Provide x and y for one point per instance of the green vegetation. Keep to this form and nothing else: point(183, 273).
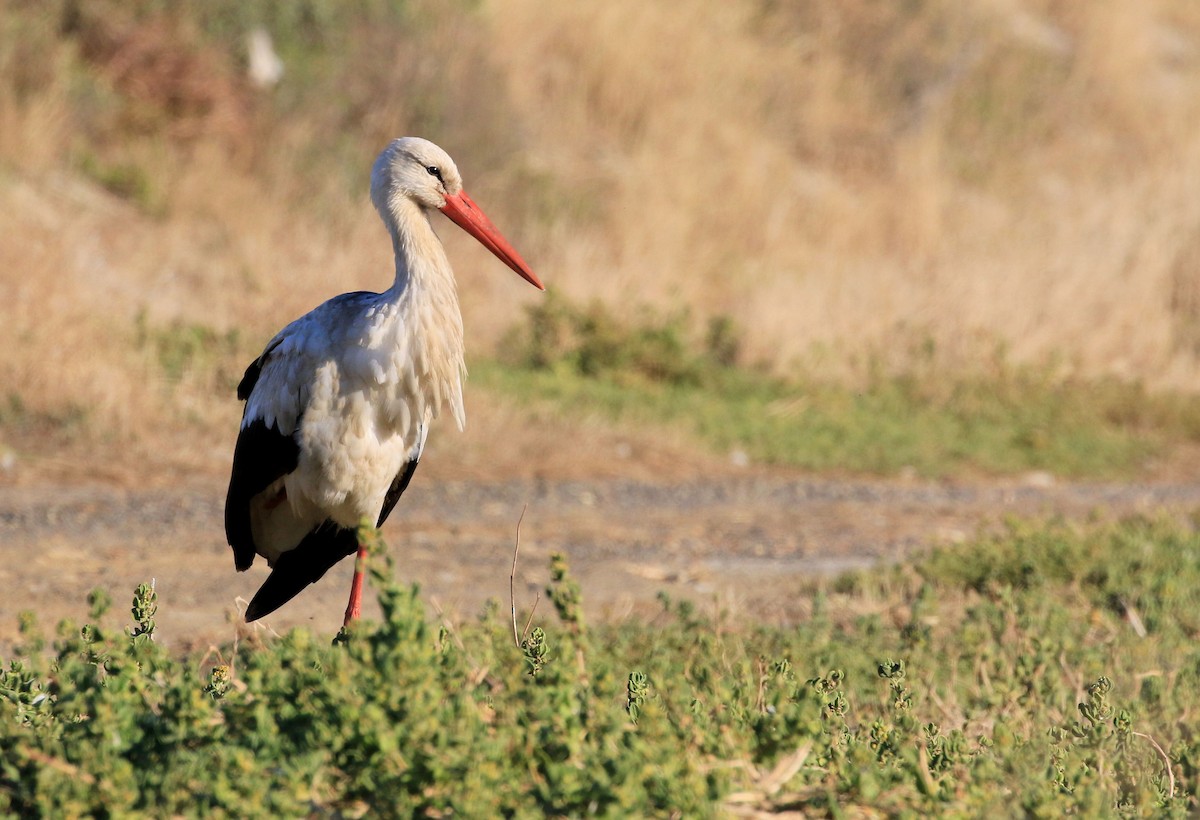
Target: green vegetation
point(1048, 670)
point(14, 414)
point(124, 179)
point(181, 348)
point(994, 416)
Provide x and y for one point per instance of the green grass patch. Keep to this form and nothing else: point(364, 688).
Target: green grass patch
point(992, 417)
point(17, 418)
point(126, 180)
point(181, 348)
point(1007, 672)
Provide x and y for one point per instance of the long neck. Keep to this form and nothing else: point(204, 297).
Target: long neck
point(418, 252)
point(426, 297)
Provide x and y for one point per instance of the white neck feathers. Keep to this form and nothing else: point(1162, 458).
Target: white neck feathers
point(429, 345)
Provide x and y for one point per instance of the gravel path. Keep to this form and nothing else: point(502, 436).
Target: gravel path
point(746, 543)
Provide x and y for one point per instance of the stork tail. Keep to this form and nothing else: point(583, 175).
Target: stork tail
point(299, 567)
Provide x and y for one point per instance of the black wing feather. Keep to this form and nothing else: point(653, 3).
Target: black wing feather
point(299, 567)
point(261, 456)
point(250, 377)
point(399, 485)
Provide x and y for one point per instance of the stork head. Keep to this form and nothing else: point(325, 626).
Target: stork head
point(415, 169)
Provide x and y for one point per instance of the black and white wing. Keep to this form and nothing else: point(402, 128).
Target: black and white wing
point(263, 455)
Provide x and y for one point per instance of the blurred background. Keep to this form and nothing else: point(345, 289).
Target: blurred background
point(930, 235)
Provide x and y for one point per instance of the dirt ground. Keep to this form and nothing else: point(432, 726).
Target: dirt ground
point(745, 542)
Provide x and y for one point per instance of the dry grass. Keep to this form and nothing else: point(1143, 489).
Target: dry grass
point(834, 175)
point(983, 168)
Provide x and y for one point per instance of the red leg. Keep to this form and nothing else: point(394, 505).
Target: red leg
point(354, 607)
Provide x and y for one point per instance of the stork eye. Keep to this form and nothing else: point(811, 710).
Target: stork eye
point(435, 171)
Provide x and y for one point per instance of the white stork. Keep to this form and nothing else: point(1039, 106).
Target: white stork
point(339, 403)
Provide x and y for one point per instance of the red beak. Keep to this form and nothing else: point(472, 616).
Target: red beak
point(463, 211)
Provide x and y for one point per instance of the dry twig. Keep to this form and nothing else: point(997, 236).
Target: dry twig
point(1166, 762)
point(512, 596)
point(785, 769)
point(1134, 619)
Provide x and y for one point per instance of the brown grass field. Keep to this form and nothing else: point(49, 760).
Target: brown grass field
point(841, 178)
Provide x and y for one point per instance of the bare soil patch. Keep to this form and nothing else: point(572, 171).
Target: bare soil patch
point(746, 544)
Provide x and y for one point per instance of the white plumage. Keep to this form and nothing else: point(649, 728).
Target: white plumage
point(339, 404)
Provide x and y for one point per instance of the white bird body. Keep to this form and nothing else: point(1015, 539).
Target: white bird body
point(339, 404)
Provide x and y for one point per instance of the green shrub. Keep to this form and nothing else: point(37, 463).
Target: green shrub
point(1013, 686)
point(181, 348)
point(591, 342)
point(910, 410)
